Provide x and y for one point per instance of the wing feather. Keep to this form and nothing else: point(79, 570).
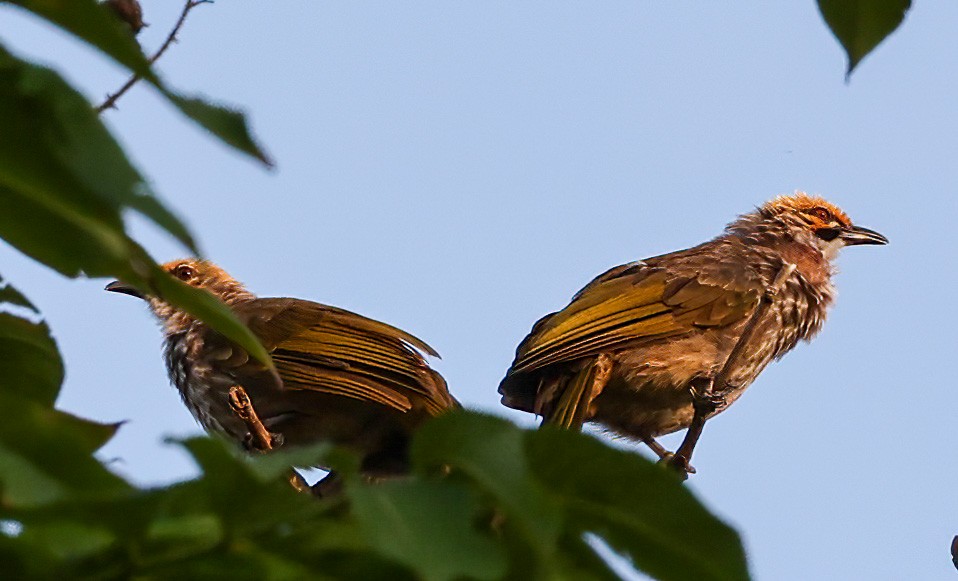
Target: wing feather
point(628, 305)
point(320, 348)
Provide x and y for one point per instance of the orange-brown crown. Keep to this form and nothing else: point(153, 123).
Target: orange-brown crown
point(197, 273)
point(206, 275)
point(817, 212)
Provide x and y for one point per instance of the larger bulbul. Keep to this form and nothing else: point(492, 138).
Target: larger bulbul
point(639, 348)
point(344, 378)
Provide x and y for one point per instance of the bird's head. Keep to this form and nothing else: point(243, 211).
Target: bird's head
point(194, 272)
point(814, 221)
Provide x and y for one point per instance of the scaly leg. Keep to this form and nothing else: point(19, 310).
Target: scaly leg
point(258, 438)
point(664, 455)
point(709, 394)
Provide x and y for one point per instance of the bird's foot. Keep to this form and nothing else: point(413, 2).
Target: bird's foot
point(708, 403)
point(679, 464)
point(705, 398)
point(253, 443)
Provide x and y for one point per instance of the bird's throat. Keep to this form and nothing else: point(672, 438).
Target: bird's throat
point(809, 261)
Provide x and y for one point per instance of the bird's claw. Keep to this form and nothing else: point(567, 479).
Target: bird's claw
point(679, 464)
point(253, 444)
point(708, 403)
point(706, 400)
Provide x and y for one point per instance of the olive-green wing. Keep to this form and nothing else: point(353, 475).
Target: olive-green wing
point(320, 348)
point(629, 304)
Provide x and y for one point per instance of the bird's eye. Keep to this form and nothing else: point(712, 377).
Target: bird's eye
point(822, 214)
point(184, 272)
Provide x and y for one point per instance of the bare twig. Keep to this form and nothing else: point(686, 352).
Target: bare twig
point(111, 100)
point(717, 385)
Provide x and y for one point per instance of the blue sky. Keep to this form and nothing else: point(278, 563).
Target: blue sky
point(460, 169)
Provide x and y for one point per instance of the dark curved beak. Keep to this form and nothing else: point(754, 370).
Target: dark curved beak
point(121, 287)
point(858, 235)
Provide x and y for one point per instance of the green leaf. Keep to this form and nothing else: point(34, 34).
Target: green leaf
point(68, 540)
point(637, 507)
point(64, 182)
point(92, 23)
point(46, 455)
point(239, 496)
point(277, 463)
point(580, 561)
point(30, 366)
point(67, 241)
point(428, 526)
point(860, 25)
point(490, 451)
point(74, 245)
point(228, 125)
point(57, 151)
point(178, 536)
point(12, 296)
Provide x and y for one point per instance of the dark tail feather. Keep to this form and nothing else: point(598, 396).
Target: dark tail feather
point(570, 412)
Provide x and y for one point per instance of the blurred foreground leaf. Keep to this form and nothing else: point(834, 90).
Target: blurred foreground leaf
point(64, 183)
point(92, 23)
point(458, 520)
point(45, 455)
point(57, 152)
point(30, 364)
point(430, 527)
point(860, 25)
point(637, 507)
point(489, 452)
point(553, 486)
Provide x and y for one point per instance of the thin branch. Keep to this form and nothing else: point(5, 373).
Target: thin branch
point(111, 100)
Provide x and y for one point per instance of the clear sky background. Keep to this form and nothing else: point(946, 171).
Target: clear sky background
point(459, 169)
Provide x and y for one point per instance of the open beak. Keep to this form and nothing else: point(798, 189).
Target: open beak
point(121, 287)
point(858, 235)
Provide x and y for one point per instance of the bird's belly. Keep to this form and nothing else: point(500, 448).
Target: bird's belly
point(649, 392)
point(643, 410)
point(208, 401)
point(298, 417)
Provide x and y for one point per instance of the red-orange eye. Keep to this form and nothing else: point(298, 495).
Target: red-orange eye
point(184, 272)
point(822, 214)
